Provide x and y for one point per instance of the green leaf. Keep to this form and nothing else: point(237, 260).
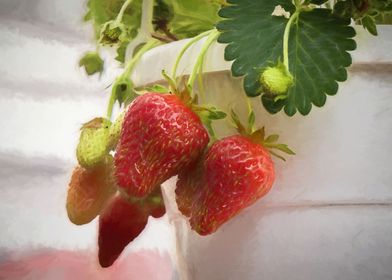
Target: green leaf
point(370, 25)
point(318, 46)
point(92, 63)
point(191, 18)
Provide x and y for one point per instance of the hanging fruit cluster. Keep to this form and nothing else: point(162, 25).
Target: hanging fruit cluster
point(166, 131)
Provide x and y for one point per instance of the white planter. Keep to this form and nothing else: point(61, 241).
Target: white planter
point(329, 213)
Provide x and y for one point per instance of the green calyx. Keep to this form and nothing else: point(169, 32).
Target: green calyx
point(93, 142)
point(152, 199)
point(114, 32)
point(276, 80)
point(115, 131)
point(123, 90)
point(258, 136)
point(92, 63)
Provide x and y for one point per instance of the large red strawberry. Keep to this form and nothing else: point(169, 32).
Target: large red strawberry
point(122, 221)
point(160, 136)
point(232, 174)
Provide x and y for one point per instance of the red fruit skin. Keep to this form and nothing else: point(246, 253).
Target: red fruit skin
point(159, 137)
point(122, 221)
point(235, 172)
point(187, 187)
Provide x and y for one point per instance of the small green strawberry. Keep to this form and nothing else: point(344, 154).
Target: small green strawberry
point(276, 80)
point(93, 142)
point(115, 130)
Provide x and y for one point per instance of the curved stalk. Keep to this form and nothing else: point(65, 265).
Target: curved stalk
point(211, 38)
point(127, 72)
point(122, 10)
point(286, 39)
point(185, 48)
point(132, 63)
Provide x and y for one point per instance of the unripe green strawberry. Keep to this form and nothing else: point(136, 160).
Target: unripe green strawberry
point(276, 80)
point(115, 130)
point(93, 142)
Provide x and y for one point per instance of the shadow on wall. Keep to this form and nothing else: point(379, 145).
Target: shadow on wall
point(54, 264)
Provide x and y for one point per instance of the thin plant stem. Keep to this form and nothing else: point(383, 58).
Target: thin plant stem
point(122, 10)
point(128, 71)
point(211, 38)
point(185, 48)
point(286, 39)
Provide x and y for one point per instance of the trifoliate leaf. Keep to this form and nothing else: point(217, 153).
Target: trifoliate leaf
point(318, 46)
point(92, 63)
point(191, 18)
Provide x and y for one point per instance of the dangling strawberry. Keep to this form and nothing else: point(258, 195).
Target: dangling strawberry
point(234, 172)
point(122, 221)
point(160, 135)
point(89, 190)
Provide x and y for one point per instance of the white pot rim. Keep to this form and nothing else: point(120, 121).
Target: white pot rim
point(370, 50)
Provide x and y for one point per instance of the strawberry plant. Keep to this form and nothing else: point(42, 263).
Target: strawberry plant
point(291, 54)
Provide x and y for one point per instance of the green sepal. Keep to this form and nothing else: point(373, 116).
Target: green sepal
point(114, 32)
point(157, 88)
point(208, 113)
point(92, 63)
point(370, 25)
point(123, 90)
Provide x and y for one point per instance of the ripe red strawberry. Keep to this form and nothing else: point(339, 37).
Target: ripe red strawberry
point(232, 175)
point(89, 190)
point(160, 136)
point(122, 221)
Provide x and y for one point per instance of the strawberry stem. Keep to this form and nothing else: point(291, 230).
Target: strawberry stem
point(211, 38)
point(185, 48)
point(122, 10)
point(127, 72)
point(201, 84)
